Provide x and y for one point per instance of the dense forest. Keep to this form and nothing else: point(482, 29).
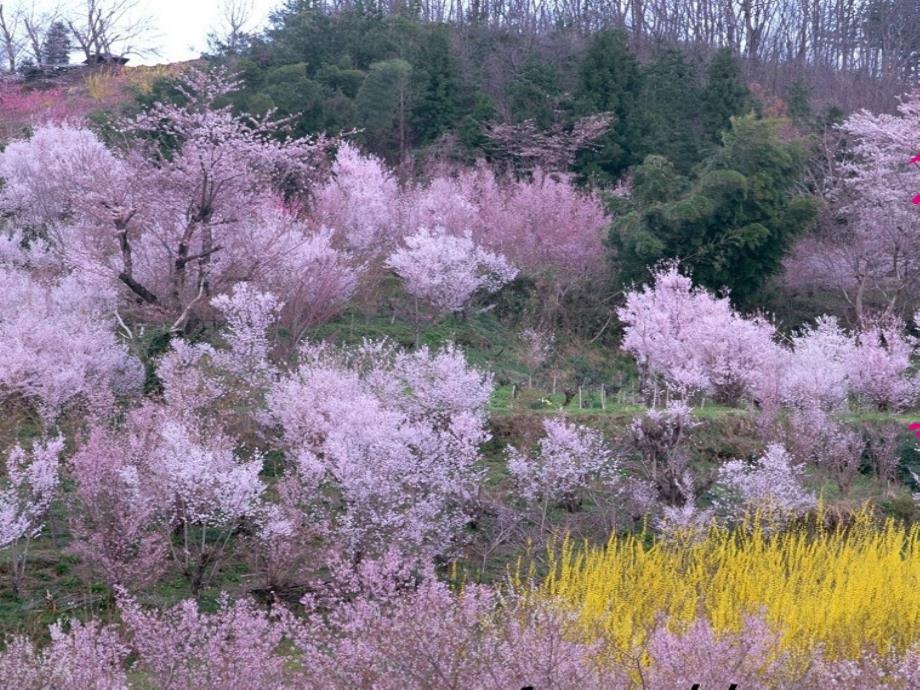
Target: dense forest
point(470, 345)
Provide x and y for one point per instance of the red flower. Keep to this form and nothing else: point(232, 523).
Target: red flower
point(915, 427)
point(916, 199)
point(915, 159)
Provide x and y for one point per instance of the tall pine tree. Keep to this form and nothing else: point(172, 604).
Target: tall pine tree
point(437, 88)
point(383, 107)
point(725, 95)
point(56, 46)
point(670, 110)
point(609, 81)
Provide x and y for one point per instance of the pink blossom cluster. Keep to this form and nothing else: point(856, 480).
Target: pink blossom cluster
point(570, 458)
point(32, 481)
point(60, 171)
point(48, 321)
point(660, 439)
point(155, 475)
point(396, 631)
point(361, 200)
point(542, 224)
point(237, 646)
point(172, 228)
point(31, 485)
point(446, 270)
point(393, 632)
point(386, 442)
point(770, 489)
point(871, 253)
point(82, 655)
point(696, 343)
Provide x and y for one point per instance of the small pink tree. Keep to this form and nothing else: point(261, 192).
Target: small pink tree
point(881, 365)
point(699, 654)
point(815, 372)
point(659, 438)
point(694, 341)
point(872, 255)
point(569, 464)
point(30, 487)
point(445, 271)
point(87, 655)
point(168, 476)
point(360, 200)
point(118, 529)
point(384, 445)
point(62, 172)
point(391, 632)
point(769, 490)
point(44, 323)
point(238, 646)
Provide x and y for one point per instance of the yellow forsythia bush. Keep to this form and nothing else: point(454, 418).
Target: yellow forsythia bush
point(845, 591)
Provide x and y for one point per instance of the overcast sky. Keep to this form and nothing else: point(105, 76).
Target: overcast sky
point(183, 26)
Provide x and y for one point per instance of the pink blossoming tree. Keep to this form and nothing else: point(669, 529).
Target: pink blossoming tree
point(31, 483)
point(46, 322)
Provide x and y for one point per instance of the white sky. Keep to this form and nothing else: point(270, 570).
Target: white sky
point(182, 26)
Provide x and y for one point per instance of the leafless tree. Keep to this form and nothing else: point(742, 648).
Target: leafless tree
point(11, 36)
point(553, 150)
point(234, 27)
point(35, 23)
point(107, 28)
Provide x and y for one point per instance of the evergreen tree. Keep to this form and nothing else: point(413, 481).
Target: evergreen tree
point(383, 107)
point(609, 80)
point(437, 91)
point(731, 224)
point(534, 93)
point(56, 46)
point(725, 95)
point(670, 109)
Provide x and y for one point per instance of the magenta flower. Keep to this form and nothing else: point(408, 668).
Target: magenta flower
point(915, 427)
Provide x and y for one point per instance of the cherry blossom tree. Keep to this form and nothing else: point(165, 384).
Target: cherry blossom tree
point(118, 528)
point(445, 271)
point(545, 226)
point(554, 149)
point(872, 254)
point(60, 172)
point(31, 483)
point(694, 341)
point(384, 444)
point(171, 215)
point(815, 373)
point(813, 435)
point(83, 655)
point(312, 279)
point(570, 461)
point(770, 490)
point(44, 323)
point(162, 475)
point(360, 200)
point(542, 224)
point(881, 365)
point(184, 648)
point(401, 633)
point(659, 438)
point(224, 165)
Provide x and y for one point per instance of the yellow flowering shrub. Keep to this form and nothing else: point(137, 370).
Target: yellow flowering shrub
point(844, 591)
